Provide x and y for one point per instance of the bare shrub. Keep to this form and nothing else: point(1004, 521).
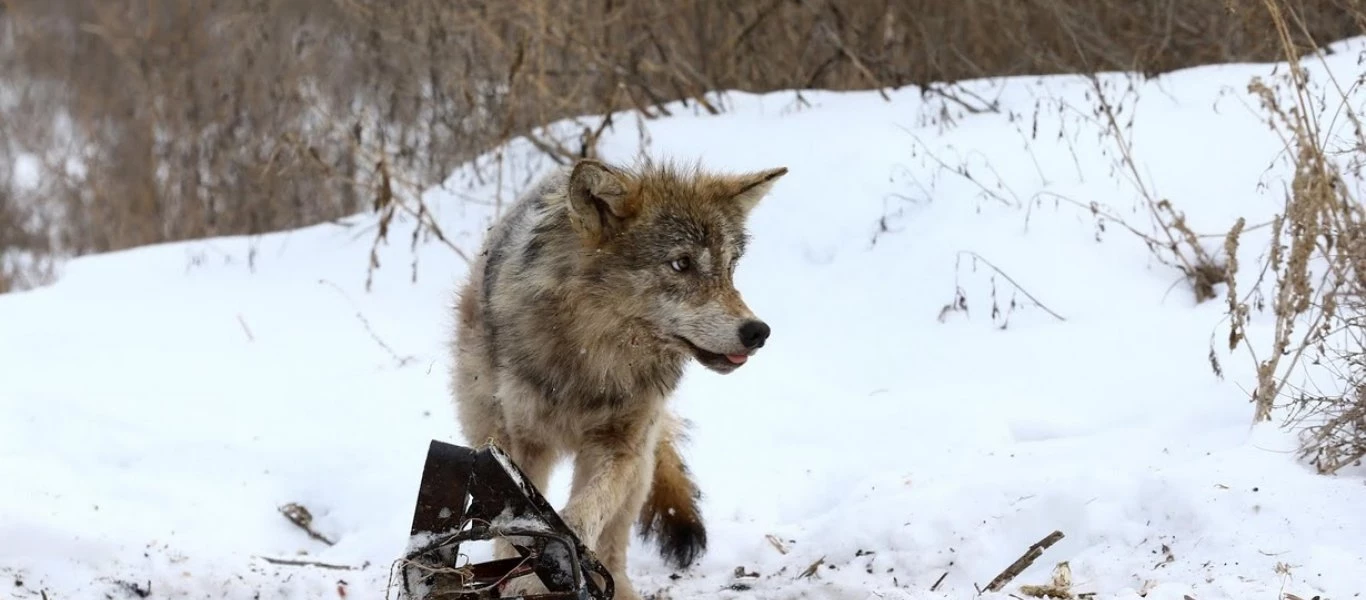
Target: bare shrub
point(8, 233)
point(23, 247)
point(162, 120)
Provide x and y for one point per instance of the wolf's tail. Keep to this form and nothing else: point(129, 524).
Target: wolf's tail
point(670, 514)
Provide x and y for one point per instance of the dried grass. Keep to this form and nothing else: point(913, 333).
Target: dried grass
point(1317, 262)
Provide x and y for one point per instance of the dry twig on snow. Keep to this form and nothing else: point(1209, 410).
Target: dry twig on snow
point(1022, 563)
point(300, 516)
point(290, 562)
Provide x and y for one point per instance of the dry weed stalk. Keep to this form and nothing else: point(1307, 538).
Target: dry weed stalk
point(1201, 270)
point(960, 300)
point(1317, 261)
point(1171, 242)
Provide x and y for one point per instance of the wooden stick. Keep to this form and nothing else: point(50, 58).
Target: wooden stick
point(1022, 563)
point(811, 570)
point(935, 587)
point(305, 563)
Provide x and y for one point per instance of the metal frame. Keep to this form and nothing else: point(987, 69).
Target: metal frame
point(477, 495)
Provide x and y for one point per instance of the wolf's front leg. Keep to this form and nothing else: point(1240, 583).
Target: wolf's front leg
point(616, 533)
point(610, 476)
point(608, 483)
point(605, 479)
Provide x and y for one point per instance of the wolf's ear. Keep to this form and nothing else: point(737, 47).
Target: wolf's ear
point(599, 201)
point(752, 188)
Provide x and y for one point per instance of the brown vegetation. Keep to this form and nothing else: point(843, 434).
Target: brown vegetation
point(1317, 262)
point(246, 116)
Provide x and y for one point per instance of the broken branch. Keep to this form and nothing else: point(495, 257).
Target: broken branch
point(289, 562)
point(937, 582)
point(1022, 563)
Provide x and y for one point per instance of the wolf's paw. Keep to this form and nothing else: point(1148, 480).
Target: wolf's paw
point(625, 592)
point(577, 522)
point(621, 583)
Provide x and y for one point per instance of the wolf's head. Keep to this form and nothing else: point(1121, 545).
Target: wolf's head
point(663, 244)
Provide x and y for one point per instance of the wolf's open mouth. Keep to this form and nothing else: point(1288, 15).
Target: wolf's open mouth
point(721, 363)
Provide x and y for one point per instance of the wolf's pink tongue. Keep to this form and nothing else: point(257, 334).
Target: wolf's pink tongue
point(738, 359)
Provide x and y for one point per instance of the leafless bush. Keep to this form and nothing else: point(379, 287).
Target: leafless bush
point(161, 120)
point(1335, 434)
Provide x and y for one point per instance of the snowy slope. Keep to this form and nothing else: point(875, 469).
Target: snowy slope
point(157, 405)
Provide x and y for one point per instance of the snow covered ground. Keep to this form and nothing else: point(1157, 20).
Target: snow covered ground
point(157, 405)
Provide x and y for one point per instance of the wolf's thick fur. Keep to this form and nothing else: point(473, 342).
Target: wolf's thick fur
point(574, 327)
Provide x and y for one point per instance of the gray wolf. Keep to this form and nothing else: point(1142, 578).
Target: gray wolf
point(574, 327)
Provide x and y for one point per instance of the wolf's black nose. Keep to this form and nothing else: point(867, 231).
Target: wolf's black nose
point(753, 334)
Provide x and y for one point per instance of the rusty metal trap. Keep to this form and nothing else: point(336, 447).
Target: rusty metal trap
point(467, 495)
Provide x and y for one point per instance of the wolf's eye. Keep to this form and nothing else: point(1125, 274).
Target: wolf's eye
point(681, 264)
